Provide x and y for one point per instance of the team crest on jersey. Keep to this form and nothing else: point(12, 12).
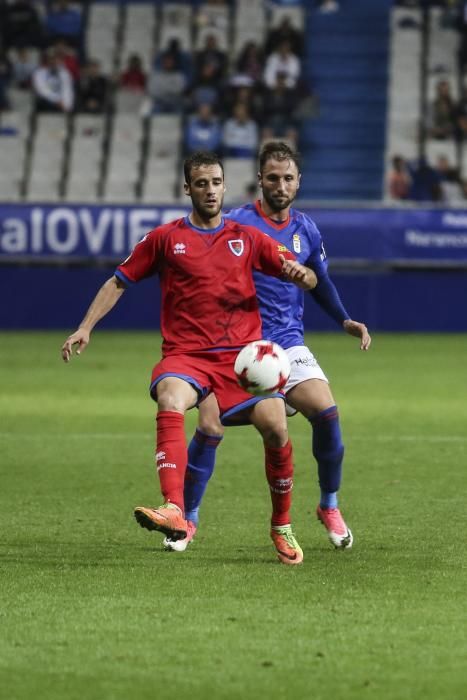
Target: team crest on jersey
point(281, 248)
point(236, 247)
point(179, 249)
point(296, 243)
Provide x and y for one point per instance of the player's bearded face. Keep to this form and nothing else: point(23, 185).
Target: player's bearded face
point(279, 181)
point(206, 189)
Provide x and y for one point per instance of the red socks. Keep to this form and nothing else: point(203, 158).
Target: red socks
point(279, 472)
point(171, 455)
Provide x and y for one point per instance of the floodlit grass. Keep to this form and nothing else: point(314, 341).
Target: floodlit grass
point(92, 608)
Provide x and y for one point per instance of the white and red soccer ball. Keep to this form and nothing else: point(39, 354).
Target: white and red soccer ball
point(262, 367)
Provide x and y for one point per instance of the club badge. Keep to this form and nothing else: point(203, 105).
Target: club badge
point(236, 247)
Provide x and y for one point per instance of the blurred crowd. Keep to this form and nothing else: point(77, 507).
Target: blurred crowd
point(445, 120)
point(229, 105)
point(43, 53)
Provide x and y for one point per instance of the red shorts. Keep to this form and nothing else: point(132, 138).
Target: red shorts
point(210, 372)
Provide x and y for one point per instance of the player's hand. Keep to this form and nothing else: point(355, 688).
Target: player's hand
point(300, 275)
point(79, 338)
point(359, 330)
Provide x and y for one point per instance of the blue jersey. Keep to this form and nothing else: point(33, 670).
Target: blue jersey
point(281, 303)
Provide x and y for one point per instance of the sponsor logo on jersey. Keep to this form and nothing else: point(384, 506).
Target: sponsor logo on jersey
point(179, 249)
point(323, 252)
point(296, 243)
point(281, 248)
point(236, 246)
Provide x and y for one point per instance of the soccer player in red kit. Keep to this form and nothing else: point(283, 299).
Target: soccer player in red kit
point(209, 311)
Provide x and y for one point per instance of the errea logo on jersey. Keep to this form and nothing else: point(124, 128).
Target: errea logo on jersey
point(179, 249)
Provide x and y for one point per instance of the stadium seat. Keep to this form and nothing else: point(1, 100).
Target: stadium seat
point(212, 20)
point(86, 154)
point(176, 21)
point(138, 33)
point(250, 24)
point(404, 116)
point(47, 157)
point(239, 173)
point(101, 35)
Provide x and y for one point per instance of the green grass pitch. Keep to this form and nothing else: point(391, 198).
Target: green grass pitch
point(91, 608)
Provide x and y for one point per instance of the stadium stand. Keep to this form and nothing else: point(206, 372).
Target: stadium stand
point(363, 117)
point(45, 172)
point(86, 158)
point(14, 130)
point(405, 84)
point(346, 65)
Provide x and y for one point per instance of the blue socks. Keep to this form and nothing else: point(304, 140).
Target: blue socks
point(201, 461)
point(328, 451)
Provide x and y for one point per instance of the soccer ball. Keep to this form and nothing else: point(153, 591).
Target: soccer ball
point(262, 367)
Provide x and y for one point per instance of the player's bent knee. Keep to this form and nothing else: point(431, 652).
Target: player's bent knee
point(212, 428)
point(275, 438)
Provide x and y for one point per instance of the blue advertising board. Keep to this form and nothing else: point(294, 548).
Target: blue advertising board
point(108, 233)
point(396, 269)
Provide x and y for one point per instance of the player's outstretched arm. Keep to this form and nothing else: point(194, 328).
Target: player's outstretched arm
point(105, 299)
point(358, 330)
point(300, 275)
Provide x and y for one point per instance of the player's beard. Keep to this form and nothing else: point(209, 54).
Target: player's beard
point(206, 212)
point(277, 205)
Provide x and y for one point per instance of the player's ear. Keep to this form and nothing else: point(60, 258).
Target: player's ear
point(186, 188)
point(298, 180)
point(260, 180)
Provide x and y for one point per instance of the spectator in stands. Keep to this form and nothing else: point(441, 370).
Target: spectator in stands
point(241, 89)
point(250, 63)
point(399, 180)
point(94, 89)
point(281, 105)
point(202, 132)
point(23, 63)
point(240, 134)
point(5, 80)
point(461, 115)
point(67, 56)
point(167, 86)
point(213, 56)
point(282, 62)
point(425, 182)
point(22, 25)
point(205, 90)
point(450, 182)
point(181, 59)
point(53, 85)
point(64, 22)
point(285, 32)
point(133, 76)
point(442, 113)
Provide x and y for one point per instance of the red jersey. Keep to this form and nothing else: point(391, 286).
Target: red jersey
point(208, 294)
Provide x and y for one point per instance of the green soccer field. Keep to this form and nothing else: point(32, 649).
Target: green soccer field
point(91, 608)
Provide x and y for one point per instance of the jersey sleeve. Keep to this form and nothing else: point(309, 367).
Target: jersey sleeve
point(317, 259)
point(266, 253)
point(142, 261)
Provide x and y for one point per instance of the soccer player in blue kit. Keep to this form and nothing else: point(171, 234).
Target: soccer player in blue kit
point(281, 306)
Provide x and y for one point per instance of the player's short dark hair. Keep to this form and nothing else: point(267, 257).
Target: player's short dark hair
point(199, 158)
point(278, 150)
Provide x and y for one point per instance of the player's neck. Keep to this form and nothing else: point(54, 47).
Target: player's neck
point(277, 216)
point(205, 222)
